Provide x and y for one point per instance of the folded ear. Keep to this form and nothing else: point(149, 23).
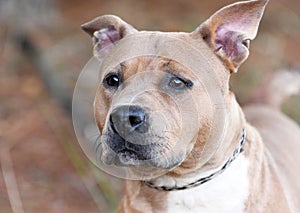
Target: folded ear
point(230, 29)
point(105, 31)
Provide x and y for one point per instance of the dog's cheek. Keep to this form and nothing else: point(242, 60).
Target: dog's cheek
point(101, 107)
point(205, 110)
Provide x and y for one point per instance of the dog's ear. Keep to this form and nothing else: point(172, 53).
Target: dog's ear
point(230, 29)
point(105, 31)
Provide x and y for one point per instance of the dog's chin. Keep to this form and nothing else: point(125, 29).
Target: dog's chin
point(122, 158)
point(132, 159)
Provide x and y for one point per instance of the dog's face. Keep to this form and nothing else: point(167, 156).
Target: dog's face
point(143, 108)
point(155, 112)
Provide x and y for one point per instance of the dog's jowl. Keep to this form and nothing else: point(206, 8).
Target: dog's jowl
point(158, 118)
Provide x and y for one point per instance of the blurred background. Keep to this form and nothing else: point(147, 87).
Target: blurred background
point(42, 51)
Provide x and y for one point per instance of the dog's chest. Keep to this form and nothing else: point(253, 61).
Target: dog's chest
point(225, 193)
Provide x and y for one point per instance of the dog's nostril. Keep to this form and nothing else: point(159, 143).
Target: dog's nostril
point(136, 119)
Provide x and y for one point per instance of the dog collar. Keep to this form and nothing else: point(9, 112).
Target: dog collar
point(203, 180)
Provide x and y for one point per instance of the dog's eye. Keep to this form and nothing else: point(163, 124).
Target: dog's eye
point(112, 80)
point(178, 83)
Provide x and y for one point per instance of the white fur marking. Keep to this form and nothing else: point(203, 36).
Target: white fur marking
point(227, 192)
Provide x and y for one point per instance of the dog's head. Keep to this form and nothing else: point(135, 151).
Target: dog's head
point(153, 110)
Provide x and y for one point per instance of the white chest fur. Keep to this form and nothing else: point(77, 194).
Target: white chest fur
point(227, 192)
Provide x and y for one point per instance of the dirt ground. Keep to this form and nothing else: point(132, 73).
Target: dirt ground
point(42, 166)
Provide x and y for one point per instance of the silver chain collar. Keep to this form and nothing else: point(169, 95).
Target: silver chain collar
point(203, 180)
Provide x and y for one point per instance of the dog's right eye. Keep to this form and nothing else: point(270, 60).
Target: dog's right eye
point(112, 80)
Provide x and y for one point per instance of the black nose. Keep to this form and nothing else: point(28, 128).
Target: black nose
point(128, 119)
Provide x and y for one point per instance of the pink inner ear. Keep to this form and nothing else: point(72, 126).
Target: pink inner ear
point(231, 44)
point(106, 37)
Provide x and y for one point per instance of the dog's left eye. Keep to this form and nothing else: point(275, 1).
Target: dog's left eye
point(112, 80)
point(178, 83)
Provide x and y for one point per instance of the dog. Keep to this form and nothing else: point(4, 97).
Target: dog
point(157, 120)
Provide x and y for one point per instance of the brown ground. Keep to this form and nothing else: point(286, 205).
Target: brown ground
point(42, 167)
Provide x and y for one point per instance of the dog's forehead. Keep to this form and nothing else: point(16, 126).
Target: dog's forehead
point(158, 49)
point(153, 64)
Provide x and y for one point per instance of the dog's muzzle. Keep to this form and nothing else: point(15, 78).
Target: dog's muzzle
point(128, 126)
point(126, 120)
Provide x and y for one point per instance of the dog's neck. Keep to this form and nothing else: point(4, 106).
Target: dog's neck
point(211, 175)
point(235, 124)
point(233, 141)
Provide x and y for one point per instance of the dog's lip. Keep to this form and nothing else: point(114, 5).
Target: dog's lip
point(127, 147)
point(130, 153)
point(126, 150)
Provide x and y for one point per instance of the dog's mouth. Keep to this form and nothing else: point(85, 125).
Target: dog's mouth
point(127, 153)
point(124, 153)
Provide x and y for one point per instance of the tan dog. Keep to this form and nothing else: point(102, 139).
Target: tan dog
point(253, 169)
